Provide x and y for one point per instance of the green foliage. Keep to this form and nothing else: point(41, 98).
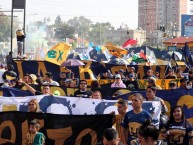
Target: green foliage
point(64, 31)
point(5, 28)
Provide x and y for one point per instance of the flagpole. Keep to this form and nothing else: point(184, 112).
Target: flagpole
point(167, 68)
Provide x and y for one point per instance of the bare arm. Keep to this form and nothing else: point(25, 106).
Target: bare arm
point(191, 141)
point(29, 88)
point(124, 133)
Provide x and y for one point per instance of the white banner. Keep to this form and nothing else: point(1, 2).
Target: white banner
point(73, 105)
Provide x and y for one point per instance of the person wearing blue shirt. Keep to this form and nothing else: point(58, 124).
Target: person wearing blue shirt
point(134, 119)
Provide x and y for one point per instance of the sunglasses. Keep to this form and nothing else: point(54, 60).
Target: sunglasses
point(118, 78)
point(83, 83)
point(149, 91)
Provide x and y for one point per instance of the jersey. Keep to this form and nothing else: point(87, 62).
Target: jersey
point(35, 139)
point(133, 121)
point(83, 94)
point(180, 133)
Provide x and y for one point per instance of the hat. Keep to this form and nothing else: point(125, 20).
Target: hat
point(151, 80)
point(130, 75)
point(121, 70)
point(117, 76)
point(172, 84)
point(133, 67)
point(68, 80)
point(57, 93)
point(33, 77)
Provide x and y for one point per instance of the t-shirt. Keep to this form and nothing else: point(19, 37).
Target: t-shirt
point(53, 83)
point(83, 94)
point(183, 131)
point(132, 85)
point(1, 74)
point(38, 93)
point(133, 121)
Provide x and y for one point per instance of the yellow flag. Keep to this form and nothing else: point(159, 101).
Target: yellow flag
point(58, 54)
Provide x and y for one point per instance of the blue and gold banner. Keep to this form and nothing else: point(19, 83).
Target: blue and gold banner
point(91, 70)
point(58, 129)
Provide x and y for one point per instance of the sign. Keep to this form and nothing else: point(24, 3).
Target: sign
point(187, 25)
point(58, 129)
point(90, 70)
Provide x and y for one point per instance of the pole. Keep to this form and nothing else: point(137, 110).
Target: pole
point(24, 28)
point(12, 27)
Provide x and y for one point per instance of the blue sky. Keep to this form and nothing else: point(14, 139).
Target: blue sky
point(114, 11)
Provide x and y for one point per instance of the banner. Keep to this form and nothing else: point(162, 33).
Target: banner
point(183, 97)
point(58, 129)
point(84, 72)
point(72, 105)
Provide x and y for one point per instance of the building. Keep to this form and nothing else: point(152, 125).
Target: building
point(139, 35)
point(177, 43)
point(155, 13)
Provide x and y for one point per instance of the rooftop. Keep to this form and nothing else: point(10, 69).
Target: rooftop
point(179, 40)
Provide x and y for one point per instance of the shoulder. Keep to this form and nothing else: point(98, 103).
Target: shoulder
point(129, 113)
point(88, 91)
point(145, 113)
point(189, 125)
point(77, 91)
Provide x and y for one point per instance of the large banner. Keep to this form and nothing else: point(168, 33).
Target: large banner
point(72, 105)
point(58, 129)
point(182, 97)
point(90, 71)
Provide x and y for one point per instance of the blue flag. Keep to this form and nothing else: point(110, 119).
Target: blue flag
point(187, 55)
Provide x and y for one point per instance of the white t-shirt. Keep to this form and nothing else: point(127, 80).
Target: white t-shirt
point(1, 73)
point(53, 83)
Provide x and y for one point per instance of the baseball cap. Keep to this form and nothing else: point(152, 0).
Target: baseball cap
point(130, 75)
point(121, 70)
point(133, 68)
point(151, 80)
point(118, 76)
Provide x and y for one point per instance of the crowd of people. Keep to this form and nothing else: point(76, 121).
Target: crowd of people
point(131, 127)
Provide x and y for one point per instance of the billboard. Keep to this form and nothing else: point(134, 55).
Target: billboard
point(187, 25)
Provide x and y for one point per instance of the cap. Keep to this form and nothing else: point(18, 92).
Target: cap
point(57, 93)
point(33, 77)
point(117, 76)
point(130, 75)
point(68, 80)
point(133, 67)
point(151, 80)
point(121, 70)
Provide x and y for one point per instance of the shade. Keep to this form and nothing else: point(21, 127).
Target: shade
point(72, 62)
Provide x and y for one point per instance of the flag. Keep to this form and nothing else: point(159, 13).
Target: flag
point(187, 55)
point(58, 54)
point(89, 49)
point(150, 55)
point(173, 60)
point(116, 51)
point(129, 42)
point(142, 54)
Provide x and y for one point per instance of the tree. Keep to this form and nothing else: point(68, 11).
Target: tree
point(81, 25)
point(58, 21)
point(98, 33)
point(64, 31)
point(5, 27)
